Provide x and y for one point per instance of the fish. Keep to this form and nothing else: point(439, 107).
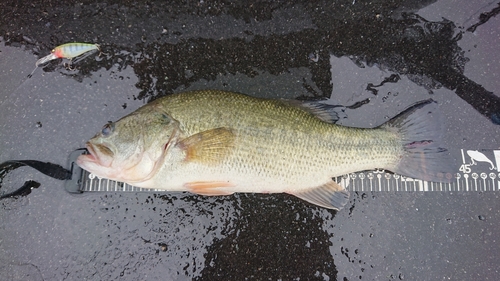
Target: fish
point(212, 142)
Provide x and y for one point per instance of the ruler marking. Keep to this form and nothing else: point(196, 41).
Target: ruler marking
point(474, 176)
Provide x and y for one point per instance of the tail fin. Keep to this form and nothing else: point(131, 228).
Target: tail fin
point(420, 130)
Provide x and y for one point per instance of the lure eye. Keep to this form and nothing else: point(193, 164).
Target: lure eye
point(107, 129)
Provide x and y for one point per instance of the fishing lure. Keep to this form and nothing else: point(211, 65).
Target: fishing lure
point(72, 50)
point(67, 51)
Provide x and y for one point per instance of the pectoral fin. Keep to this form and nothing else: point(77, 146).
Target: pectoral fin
point(330, 195)
point(209, 147)
point(208, 188)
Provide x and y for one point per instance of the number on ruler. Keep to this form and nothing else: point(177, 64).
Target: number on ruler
point(465, 168)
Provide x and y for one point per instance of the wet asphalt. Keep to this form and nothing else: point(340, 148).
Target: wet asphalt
point(374, 57)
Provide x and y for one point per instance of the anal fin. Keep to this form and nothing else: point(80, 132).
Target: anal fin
point(330, 195)
point(209, 188)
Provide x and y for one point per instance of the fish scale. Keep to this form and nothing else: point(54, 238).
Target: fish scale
point(282, 150)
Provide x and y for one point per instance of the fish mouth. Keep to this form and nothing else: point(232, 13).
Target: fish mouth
point(92, 156)
point(89, 160)
point(100, 154)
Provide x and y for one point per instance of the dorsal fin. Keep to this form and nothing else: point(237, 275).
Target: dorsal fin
point(326, 112)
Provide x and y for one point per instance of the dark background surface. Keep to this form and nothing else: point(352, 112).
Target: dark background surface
point(375, 57)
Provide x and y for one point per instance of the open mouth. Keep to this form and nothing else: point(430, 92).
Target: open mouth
point(99, 154)
point(92, 156)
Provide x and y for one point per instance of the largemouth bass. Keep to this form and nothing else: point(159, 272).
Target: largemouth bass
point(218, 143)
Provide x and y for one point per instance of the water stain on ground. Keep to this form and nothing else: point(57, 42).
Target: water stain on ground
point(273, 234)
point(426, 52)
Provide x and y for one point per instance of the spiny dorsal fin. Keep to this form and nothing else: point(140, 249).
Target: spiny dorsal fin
point(209, 147)
point(330, 195)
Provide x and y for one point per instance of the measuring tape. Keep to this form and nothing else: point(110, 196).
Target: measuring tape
point(479, 171)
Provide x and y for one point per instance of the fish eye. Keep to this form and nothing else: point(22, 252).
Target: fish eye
point(107, 129)
point(165, 118)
